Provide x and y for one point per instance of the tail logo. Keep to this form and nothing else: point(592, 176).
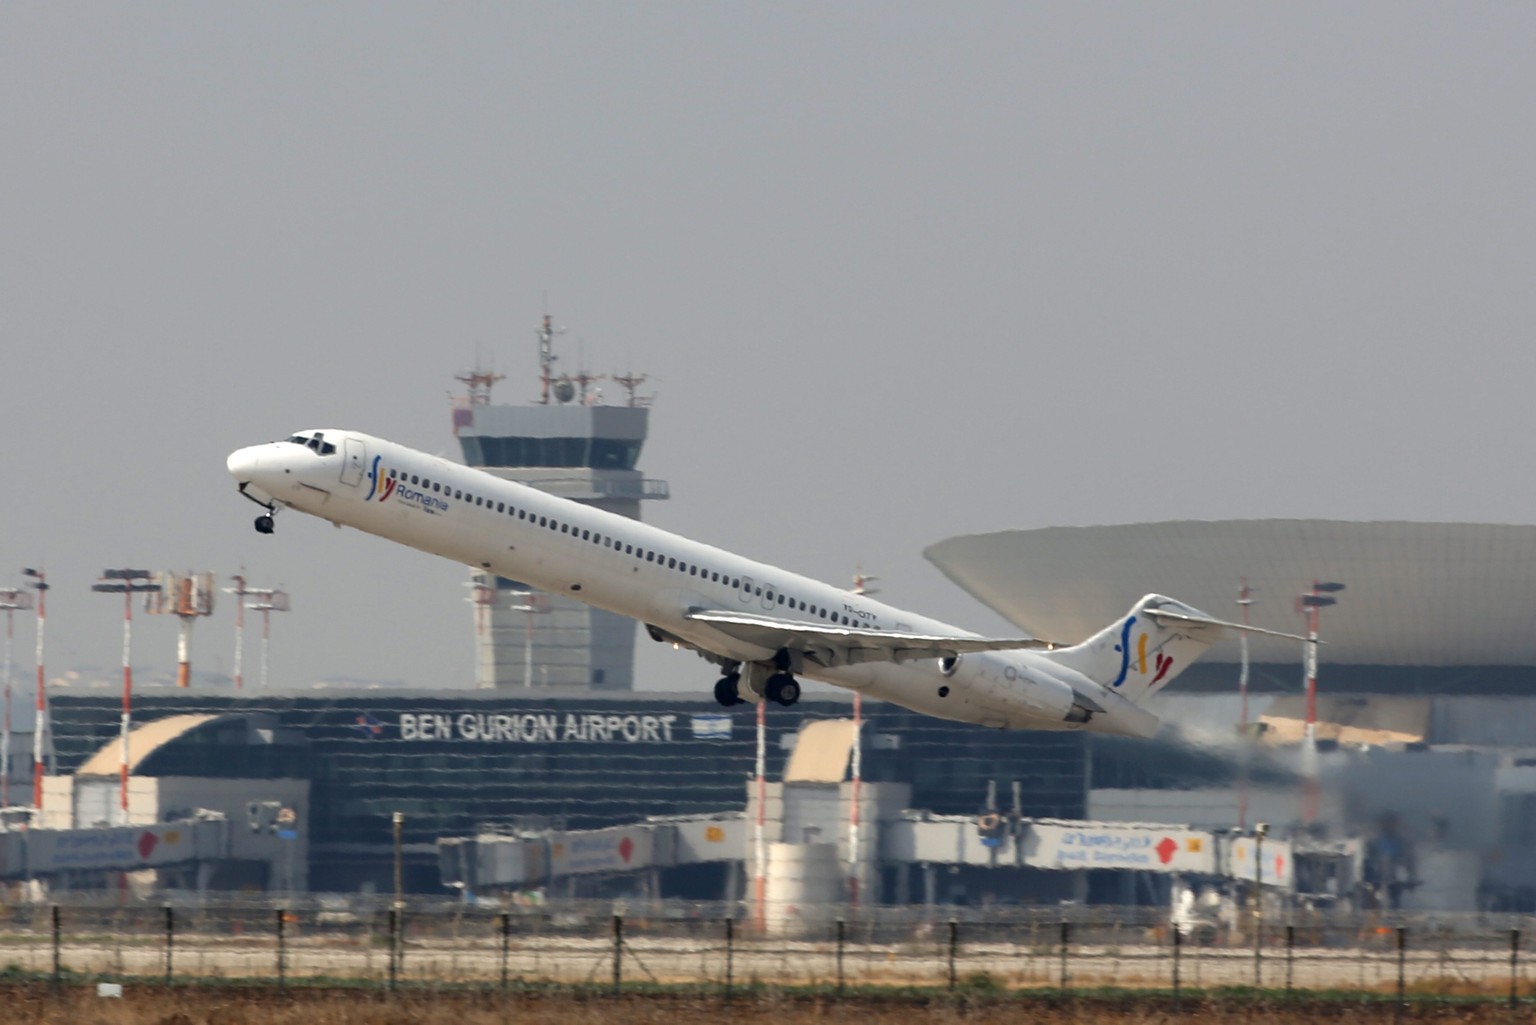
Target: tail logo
point(1161, 663)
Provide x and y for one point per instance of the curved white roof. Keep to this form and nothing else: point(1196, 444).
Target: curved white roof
point(1427, 594)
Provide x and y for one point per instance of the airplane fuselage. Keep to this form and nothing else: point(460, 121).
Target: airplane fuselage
point(634, 569)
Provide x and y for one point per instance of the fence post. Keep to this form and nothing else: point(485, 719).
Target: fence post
point(506, 946)
point(618, 952)
point(1258, 946)
point(394, 947)
point(1290, 956)
point(841, 932)
point(730, 953)
point(1178, 942)
point(1514, 968)
point(954, 942)
point(58, 969)
point(282, 949)
point(1066, 938)
point(170, 941)
point(1402, 954)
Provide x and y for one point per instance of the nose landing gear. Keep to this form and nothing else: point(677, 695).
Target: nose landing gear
point(264, 522)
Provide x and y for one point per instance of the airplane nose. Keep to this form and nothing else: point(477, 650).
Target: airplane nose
point(244, 463)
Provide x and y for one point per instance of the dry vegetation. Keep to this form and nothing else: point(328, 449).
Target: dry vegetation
point(213, 1006)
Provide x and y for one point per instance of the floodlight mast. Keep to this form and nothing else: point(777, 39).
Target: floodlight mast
point(185, 596)
point(126, 582)
point(39, 583)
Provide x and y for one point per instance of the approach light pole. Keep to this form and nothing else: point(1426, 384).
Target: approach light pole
point(532, 603)
point(126, 582)
point(1310, 604)
point(1245, 602)
point(39, 583)
point(861, 582)
point(266, 600)
point(239, 592)
point(1260, 831)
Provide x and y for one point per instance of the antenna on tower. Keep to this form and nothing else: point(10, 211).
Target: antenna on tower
point(629, 382)
point(547, 357)
point(479, 383)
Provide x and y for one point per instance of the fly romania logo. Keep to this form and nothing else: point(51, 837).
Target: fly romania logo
point(382, 487)
point(375, 478)
point(1160, 663)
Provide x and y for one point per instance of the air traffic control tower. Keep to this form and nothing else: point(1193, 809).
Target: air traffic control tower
point(569, 443)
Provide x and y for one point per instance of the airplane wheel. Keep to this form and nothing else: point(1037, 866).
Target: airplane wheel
point(726, 692)
point(264, 524)
point(782, 689)
point(789, 691)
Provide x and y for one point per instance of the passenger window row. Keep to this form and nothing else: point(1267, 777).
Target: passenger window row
point(614, 543)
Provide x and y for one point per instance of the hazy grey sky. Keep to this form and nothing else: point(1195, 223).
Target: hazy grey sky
point(898, 271)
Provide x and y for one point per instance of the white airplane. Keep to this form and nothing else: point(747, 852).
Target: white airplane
point(762, 625)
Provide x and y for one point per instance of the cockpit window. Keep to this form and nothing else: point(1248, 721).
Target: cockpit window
point(315, 442)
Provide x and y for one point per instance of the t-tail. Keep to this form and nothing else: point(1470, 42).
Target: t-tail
point(1141, 653)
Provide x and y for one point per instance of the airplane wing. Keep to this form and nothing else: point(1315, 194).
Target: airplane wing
point(847, 645)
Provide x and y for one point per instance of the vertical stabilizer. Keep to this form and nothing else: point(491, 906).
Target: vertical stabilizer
point(1139, 654)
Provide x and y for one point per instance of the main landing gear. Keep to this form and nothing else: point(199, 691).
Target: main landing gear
point(726, 692)
point(265, 523)
point(780, 688)
point(783, 688)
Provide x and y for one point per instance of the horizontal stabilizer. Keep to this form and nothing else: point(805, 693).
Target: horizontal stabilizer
point(1181, 617)
point(848, 644)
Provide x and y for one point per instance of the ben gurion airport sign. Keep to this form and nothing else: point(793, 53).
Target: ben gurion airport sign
point(549, 727)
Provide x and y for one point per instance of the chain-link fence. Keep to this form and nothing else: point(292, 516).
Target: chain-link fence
point(722, 948)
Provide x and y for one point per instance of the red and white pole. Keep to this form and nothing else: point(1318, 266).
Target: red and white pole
point(127, 693)
point(266, 638)
point(5, 737)
point(184, 652)
point(1320, 595)
point(1245, 600)
point(855, 855)
point(40, 728)
point(759, 845)
point(1311, 721)
point(239, 592)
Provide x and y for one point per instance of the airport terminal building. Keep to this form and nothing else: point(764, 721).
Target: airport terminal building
point(465, 762)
